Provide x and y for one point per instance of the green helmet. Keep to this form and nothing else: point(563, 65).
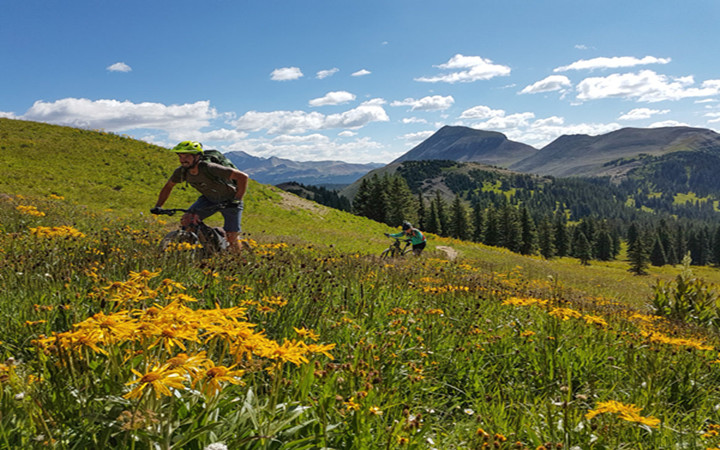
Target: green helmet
point(192, 147)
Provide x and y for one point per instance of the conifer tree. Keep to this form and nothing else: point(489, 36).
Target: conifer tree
point(491, 234)
point(562, 239)
point(510, 229)
point(603, 245)
point(459, 225)
point(716, 246)
point(638, 253)
point(400, 202)
point(581, 247)
point(443, 222)
point(432, 223)
point(478, 222)
point(657, 254)
point(378, 199)
point(546, 238)
point(421, 213)
point(529, 233)
point(361, 202)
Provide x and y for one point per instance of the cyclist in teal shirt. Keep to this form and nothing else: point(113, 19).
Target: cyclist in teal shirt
point(415, 236)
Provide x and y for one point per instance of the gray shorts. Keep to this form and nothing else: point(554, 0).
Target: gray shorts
point(232, 216)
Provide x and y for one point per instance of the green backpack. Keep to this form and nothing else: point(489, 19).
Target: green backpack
point(216, 157)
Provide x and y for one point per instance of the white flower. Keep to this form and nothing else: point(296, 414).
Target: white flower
point(216, 446)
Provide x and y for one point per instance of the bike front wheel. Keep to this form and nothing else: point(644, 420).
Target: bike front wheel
point(179, 240)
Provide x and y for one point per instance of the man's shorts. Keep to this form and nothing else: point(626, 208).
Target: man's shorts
point(232, 215)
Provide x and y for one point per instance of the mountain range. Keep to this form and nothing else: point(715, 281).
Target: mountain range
point(276, 170)
point(613, 154)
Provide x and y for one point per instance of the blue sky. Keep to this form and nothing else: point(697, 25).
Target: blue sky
point(358, 81)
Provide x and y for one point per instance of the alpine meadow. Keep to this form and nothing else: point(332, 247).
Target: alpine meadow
point(309, 340)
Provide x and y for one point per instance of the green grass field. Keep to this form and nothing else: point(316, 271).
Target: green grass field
point(310, 341)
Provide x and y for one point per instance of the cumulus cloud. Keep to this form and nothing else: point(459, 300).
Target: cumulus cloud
point(113, 115)
point(7, 115)
point(508, 122)
point(549, 84)
point(481, 112)
point(314, 147)
point(644, 86)
point(418, 137)
point(347, 133)
point(333, 98)
point(466, 69)
point(430, 103)
point(119, 67)
point(615, 62)
point(668, 123)
point(361, 73)
point(407, 120)
point(642, 113)
point(297, 122)
point(286, 74)
point(326, 73)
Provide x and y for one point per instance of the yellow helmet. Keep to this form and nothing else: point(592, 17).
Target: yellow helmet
point(192, 147)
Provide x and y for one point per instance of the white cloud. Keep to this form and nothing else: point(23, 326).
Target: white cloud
point(417, 137)
point(472, 68)
point(347, 133)
point(286, 74)
point(644, 86)
point(298, 122)
point(581, 46)
point(668, 123)
point(407, 120)
point(510, 122)
point(481, 112)
point(615, 62)
point(543, 131)
point(642, 113)
point(333, 98)
point(430, 103)
point(7, 115)
point(315, 147)
point(361, 73)
point(326, 73)
point(113, 115)
point(549, 84)
point(119, 67)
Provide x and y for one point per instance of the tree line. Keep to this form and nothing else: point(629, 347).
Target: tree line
point(550, 231)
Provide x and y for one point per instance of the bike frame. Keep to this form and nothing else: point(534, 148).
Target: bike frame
point(211, 240)
point(397, 249)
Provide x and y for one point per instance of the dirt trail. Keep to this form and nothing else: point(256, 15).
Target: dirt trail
point(449, 251)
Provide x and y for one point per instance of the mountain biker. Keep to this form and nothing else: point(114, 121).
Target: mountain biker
point(415, 236)
point(215, 183)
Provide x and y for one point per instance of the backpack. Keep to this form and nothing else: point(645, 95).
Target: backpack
point(216, 157)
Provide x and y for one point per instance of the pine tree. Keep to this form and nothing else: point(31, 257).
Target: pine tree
point(361, 202)
point(444, 226)
point(478, 223)
point(529, 233)
point(603, 246)
point(459, 225)
point(432, 223)
point(716, 246)
point(378, 199)
point(638, 254)
point(421, 213)
point(657, 254)
point(491, 235)
point(562, 240)
point(581, 247)
point(546, 238)
point(510, 229)
point(400, 202)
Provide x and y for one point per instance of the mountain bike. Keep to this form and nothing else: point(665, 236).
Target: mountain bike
point(194, 232)
point(400, 247)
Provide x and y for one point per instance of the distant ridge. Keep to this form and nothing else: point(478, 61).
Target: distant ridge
point(465, 144)
point(591, 156)
point(276, 170)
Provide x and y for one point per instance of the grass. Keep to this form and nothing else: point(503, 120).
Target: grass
point(311, 341)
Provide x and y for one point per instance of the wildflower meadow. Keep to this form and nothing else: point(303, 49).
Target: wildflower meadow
point(108, 342)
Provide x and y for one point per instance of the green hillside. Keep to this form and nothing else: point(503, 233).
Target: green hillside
point(310, 340)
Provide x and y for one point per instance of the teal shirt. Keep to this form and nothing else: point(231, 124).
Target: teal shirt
point(416, 237)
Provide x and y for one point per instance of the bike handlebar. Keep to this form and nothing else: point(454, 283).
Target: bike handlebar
point(172, 211)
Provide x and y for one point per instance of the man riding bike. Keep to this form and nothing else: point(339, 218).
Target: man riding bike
point(415, 236)
point(219, 185)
